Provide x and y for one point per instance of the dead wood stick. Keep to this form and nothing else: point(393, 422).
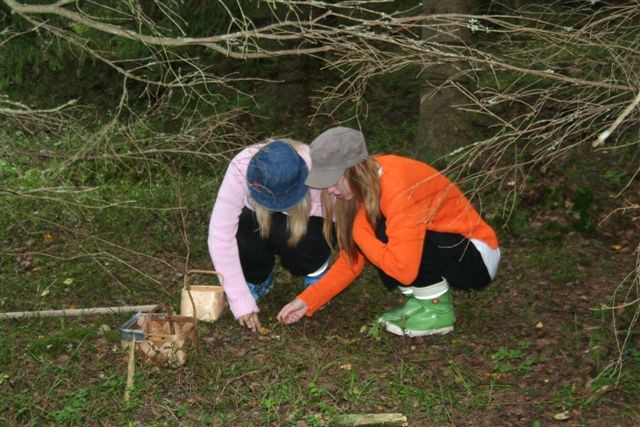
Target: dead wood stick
point(371, 420)
point(130, 369)
point(76, 311)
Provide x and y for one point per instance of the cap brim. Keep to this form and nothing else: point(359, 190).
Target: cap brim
point(319, 178)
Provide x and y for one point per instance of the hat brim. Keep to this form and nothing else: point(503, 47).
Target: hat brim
point(280, 204)
point(323, 178)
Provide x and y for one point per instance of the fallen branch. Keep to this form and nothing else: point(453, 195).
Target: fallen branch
point(76, 311)
point(130, 369)
point(371, 420)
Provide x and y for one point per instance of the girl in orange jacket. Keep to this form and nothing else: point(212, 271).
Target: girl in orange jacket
point(406, 218)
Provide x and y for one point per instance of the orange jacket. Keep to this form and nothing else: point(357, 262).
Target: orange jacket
point(414, 198)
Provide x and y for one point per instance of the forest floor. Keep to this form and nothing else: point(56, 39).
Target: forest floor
point(531, 350)
point(538, 347)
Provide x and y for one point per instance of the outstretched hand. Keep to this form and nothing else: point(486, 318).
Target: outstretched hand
point(293, 311)
point(251, 321)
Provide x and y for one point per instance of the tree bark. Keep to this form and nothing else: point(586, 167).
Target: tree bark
point(442, 127)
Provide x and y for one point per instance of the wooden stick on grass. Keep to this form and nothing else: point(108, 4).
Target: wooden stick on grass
point(76, 311)
point(131, 367)
point(371, 420)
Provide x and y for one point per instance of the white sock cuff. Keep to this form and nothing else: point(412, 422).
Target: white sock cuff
point(320, 270)
point(405, 290)
point(432, 291)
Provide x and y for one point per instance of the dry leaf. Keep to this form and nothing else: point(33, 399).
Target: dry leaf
point(265, 334)
point(264, 330)
point(539, 325)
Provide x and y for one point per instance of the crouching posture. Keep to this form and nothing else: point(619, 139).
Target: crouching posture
point(264, 210)
point(406, 218)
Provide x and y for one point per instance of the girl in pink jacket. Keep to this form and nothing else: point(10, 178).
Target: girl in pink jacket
point(263, 209)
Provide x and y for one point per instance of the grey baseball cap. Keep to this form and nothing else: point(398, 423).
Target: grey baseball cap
point(332, 152)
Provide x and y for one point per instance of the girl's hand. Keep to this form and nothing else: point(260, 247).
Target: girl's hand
point(251, 321)
point(293, 311)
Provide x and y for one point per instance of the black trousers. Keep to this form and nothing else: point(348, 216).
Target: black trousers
point(257, 255)
point(447, 255)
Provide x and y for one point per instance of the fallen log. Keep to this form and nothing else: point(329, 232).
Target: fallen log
point(76, 311)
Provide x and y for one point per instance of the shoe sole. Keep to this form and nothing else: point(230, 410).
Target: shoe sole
point(411, 333)
point(386, 321)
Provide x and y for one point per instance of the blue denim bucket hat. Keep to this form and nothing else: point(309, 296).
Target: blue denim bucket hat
point(276, 176)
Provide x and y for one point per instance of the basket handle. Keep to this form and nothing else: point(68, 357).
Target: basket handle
point(160, 308)
point(212, 272)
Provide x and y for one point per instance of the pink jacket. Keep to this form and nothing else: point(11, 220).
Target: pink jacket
point(233, 195)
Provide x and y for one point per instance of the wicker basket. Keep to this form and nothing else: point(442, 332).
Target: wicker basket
point(160, 337)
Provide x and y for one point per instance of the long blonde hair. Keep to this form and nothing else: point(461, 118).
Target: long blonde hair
point(296, 221)
point(298, 215)
point(364, 181)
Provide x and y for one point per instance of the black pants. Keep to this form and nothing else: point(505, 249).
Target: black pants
point(447, 255)
point(257, 255)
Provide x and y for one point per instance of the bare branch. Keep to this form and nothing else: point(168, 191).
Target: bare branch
point(607, 133)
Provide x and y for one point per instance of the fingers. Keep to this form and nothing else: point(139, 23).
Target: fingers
point(291, 318)
point(254, 324)
point(287, 316)
point(282, 315)
point(285, 313)
point(292, 312)
point(251, 321)
point(242, 320)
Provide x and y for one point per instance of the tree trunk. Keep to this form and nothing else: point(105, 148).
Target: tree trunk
point(442, 127)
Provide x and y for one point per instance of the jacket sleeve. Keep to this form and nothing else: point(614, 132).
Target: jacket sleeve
point(405, 228)
point(222, 243)
point(341, 274)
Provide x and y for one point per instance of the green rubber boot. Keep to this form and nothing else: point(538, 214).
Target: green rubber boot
point(435, 316)
point(410, 306)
